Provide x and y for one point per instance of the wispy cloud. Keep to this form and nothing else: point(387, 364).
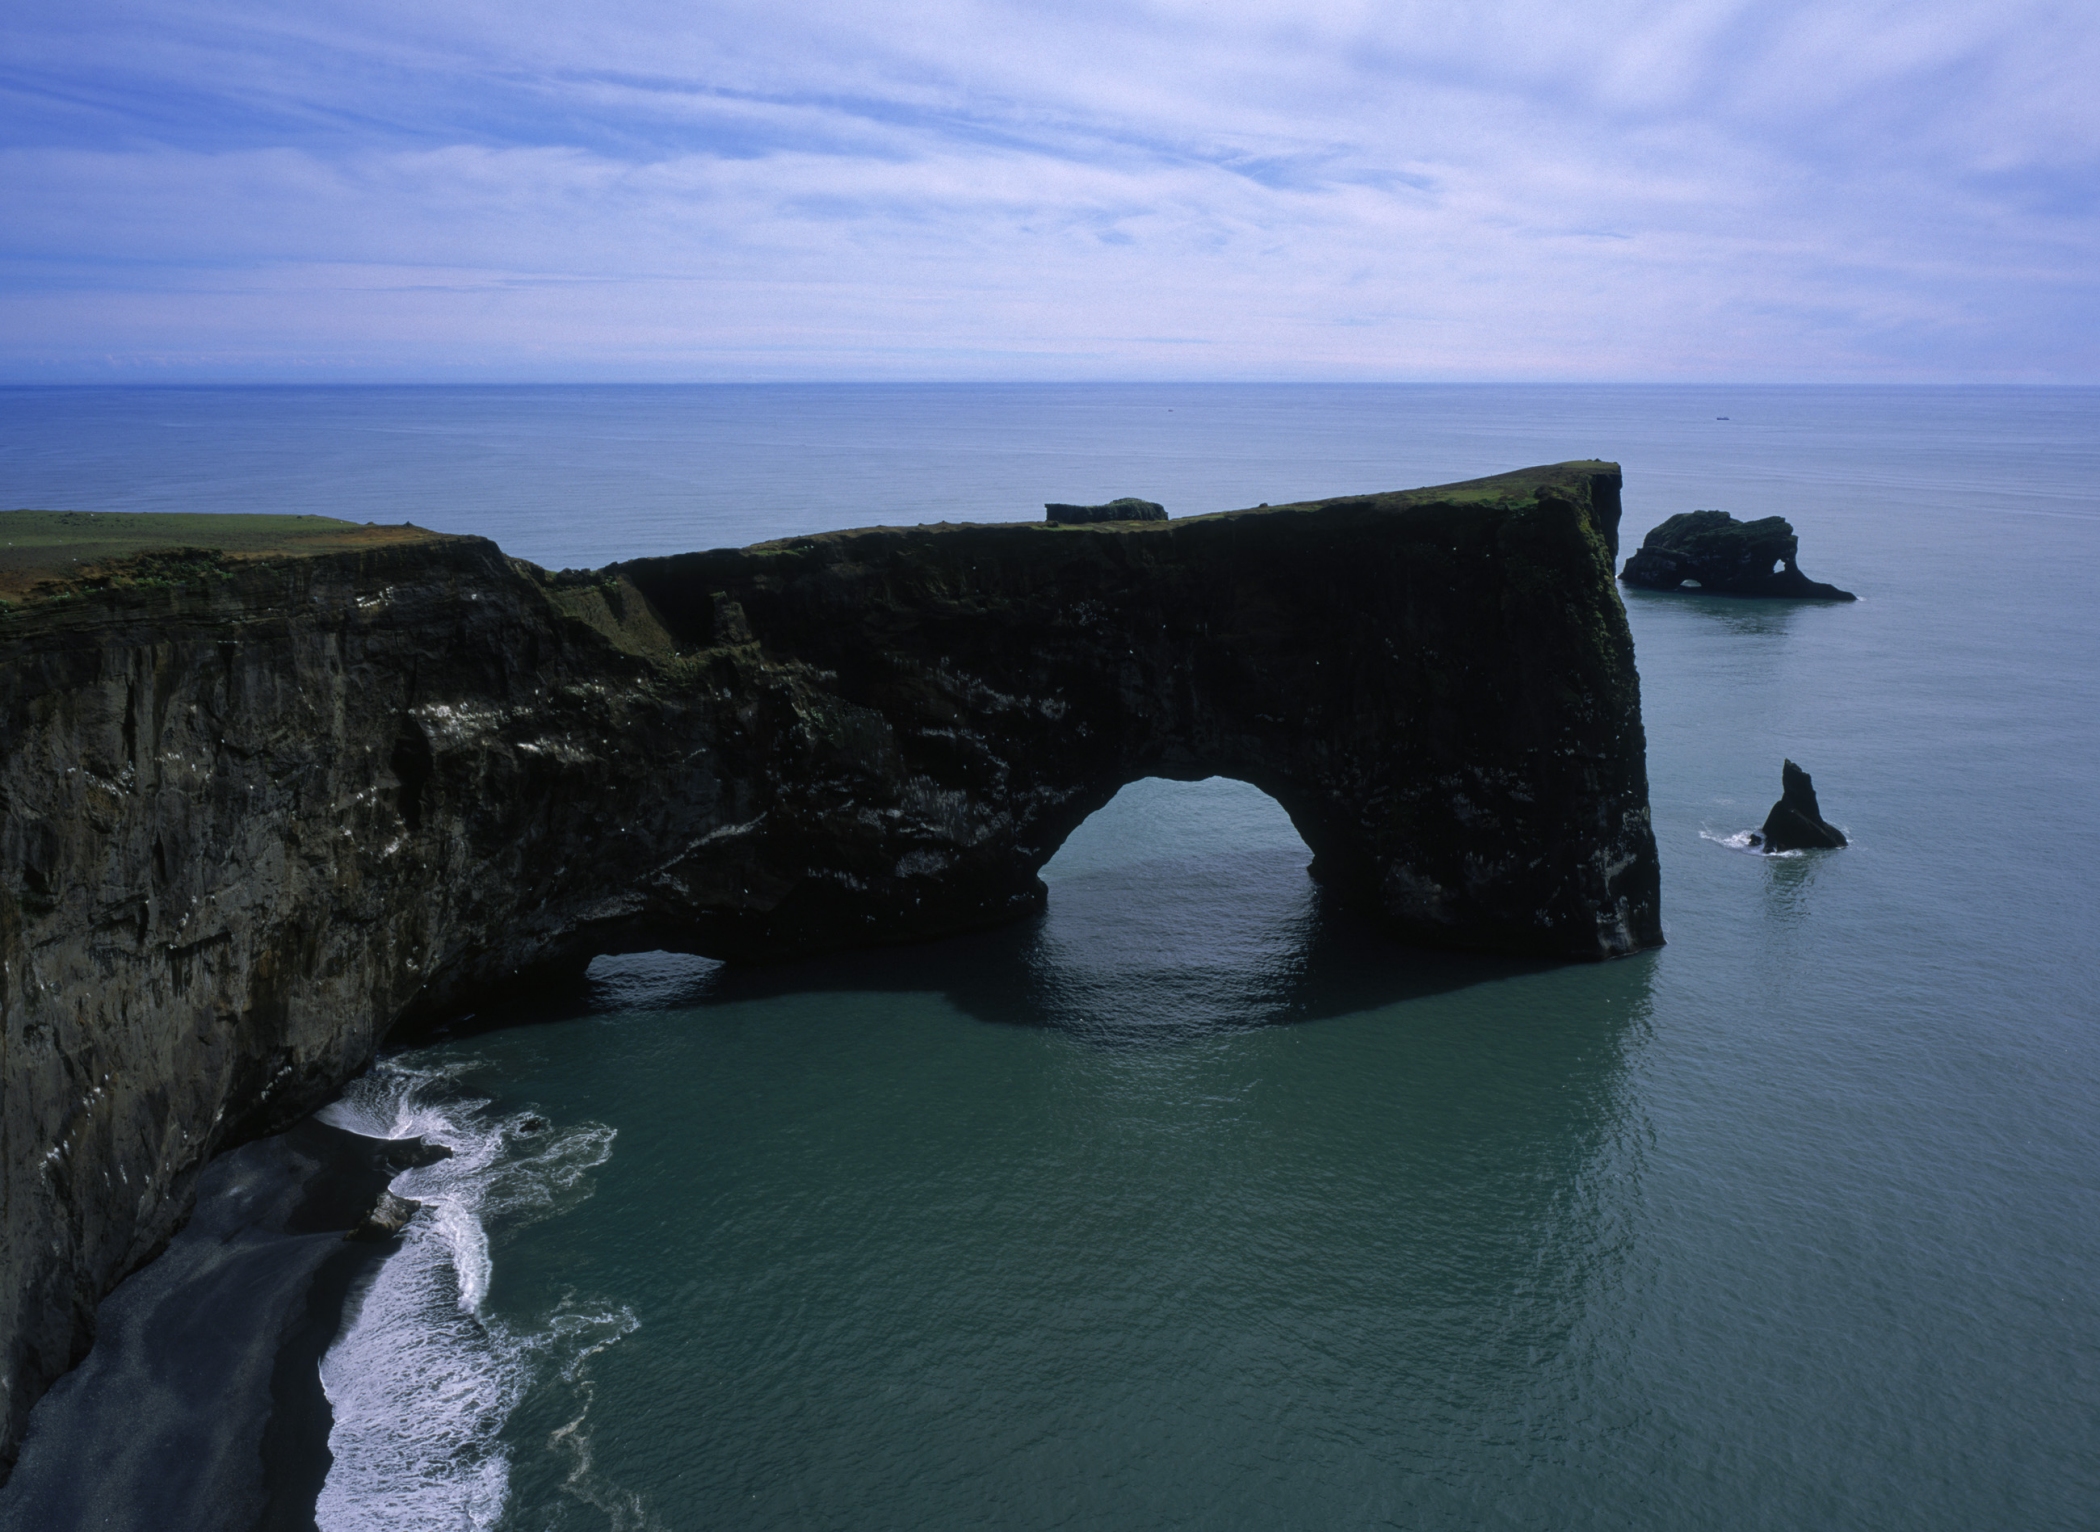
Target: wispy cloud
point(944, 188)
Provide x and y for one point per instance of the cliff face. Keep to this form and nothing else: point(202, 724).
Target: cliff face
point(255, 811)
point(226, 865)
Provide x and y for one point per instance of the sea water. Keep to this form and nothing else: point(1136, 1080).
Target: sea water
point(1195, 1202)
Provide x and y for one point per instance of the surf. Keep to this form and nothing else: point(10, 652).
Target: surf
point(422, 1378)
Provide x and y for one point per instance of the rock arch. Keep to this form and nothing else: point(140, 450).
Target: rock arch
point(261, 804)
point(1438, 687)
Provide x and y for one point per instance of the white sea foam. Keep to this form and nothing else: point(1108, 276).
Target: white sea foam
point(1745, 840)
point(622, 1508)
point(420, 1380)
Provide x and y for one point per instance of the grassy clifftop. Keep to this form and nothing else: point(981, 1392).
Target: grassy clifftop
point(45, 553)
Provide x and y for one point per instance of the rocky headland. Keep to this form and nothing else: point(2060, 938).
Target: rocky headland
point(1712, 552)
point(269, 790)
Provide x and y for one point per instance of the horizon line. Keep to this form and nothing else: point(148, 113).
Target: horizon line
point(207, 385)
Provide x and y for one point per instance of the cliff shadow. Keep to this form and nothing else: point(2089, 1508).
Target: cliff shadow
point(1770, 616)
point(1336, 963)
point(1181, 910)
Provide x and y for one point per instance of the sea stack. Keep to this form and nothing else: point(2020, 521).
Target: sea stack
point(1796, 823)
point(1713, 553)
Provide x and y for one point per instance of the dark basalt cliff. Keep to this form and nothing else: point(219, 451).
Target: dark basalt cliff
point(1719, 555)
point(255, 809)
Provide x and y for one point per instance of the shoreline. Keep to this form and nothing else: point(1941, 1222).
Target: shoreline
point(200, 1402)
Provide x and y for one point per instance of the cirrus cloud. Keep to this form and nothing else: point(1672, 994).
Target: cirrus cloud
point(961, 188)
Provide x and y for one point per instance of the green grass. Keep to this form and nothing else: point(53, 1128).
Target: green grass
point(52, 548)
point(1499, 489)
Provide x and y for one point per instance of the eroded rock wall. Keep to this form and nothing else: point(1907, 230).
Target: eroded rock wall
point(244, 822)
point(249, 822)
point(1441, 693)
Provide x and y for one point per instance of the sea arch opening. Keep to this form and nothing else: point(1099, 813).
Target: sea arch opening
point(1176, 906)
point(1180, 908)
point(1219, 825)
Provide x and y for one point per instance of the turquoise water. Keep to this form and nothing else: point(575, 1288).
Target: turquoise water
point(1194, 1203)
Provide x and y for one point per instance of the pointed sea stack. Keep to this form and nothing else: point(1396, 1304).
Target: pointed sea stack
point(1796, 822)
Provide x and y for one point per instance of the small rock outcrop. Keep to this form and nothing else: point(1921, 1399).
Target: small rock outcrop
point(1796, 822)
point(1128, 508)
point(389, 1216)
point(1712, 552)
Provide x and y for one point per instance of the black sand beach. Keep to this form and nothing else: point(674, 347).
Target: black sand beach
point(200, 1403)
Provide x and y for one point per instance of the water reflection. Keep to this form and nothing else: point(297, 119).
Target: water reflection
point(1790, 880)
point(1082, 968)
point(1770, 616)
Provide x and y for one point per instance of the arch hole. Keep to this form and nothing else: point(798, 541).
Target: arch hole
point(649, 981)
point(1177, 906)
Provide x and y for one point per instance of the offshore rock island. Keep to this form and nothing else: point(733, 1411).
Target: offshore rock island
point(1796, 822)
point(270, 785)
point(1713, 553)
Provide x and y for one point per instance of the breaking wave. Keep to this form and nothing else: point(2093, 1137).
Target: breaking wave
point(1745, 840)
point(420, 1379)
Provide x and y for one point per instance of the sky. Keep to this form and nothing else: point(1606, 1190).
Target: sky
point(637, 190)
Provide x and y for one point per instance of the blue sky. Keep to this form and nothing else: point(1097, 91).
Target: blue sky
point(647, 191)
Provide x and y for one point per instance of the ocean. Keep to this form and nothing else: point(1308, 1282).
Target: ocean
point(1195, 1202)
